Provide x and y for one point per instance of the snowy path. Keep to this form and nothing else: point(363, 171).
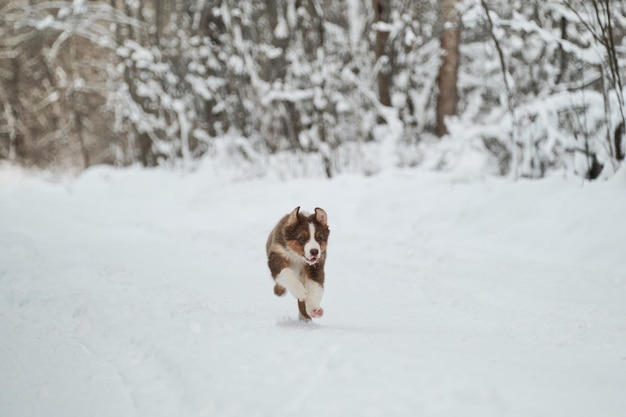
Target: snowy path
point(133, 293)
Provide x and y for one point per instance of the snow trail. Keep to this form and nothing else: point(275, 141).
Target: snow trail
point(145, 293)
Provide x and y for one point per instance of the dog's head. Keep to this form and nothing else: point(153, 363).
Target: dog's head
point(307, 236)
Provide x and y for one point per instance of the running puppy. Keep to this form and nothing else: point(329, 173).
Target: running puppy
point(296, 252)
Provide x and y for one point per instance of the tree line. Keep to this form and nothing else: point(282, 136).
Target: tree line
point(535, 84)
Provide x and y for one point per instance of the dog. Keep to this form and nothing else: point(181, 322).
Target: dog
point(296, 254)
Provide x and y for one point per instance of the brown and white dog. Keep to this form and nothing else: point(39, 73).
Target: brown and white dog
point(296, 253)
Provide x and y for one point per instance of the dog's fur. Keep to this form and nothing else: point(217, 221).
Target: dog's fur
point(296, 253)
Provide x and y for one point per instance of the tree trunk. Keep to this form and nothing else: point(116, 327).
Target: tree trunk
point(448, 71)
point(381, 14)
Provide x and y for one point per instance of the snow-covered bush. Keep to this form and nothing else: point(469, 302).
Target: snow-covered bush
point(551, 93)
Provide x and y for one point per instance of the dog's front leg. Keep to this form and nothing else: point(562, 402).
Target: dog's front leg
point(315, 291)
point(288, 279)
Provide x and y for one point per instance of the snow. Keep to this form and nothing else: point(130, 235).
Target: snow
point(145, 293)
point(290, 95)
point(354, 18)
point(282, 29)
point(45, 22)
point(382, 26)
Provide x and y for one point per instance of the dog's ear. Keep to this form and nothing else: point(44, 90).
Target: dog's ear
point(320, 216)
point(293, 216)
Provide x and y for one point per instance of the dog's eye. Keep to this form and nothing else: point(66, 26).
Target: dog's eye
point(302, 239)
point(319, 239)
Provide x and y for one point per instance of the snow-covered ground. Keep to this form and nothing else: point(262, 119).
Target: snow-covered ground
point(146, 293)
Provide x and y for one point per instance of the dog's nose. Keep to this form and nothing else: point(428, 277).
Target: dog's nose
point(314, 252)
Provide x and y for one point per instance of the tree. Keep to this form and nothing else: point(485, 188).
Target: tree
point(54, 66)
point(450, 39)
point(381, 19)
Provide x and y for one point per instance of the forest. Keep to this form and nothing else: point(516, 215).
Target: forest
point(526, 87)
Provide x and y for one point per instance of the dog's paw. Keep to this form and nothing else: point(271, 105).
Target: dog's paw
point(317, 313)
point(300, 293)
